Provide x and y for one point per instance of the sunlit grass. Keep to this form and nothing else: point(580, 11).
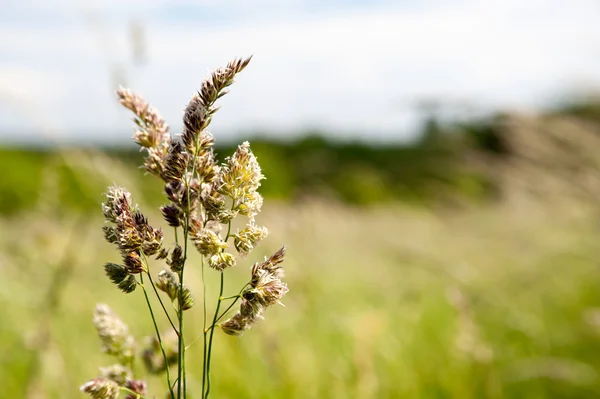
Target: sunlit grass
point(372, 310)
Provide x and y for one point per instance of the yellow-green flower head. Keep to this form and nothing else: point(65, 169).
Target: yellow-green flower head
point(246, 239)
point(241, 176)
point(208, 242)
point(221, 261)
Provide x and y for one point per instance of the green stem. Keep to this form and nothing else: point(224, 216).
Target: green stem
point(157, 295)
point(210, 340)
point(137, 395)
point(237, 297)
point(157, 335)
point(180, 351)
point(225, 311)
point(204, 330)
point(230, 297)
point(228, 231)
point(186, 233)
point(162, 304)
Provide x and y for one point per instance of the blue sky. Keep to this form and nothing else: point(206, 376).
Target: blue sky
point(354, 68)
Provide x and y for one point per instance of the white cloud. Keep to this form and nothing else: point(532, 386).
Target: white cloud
point(347, 70)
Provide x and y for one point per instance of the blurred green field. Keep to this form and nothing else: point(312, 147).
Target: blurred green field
point(494, 300)
point(445, 270)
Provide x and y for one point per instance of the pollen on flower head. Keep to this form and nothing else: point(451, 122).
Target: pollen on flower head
point(241, 176)
point(245, 240)
point(118, 201)
point(267, 290)
point(251, 204)
point(128, 228)
point(208, 242)
point(221, 261)
point(271, 264)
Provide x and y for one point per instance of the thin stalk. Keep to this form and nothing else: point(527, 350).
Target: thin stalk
point(137, 395)
point(230, 297)
point(228, 229)
point(212, 331)
point(220, 317)
point(186, 231)
point(162, 304)
point(156, 292)
point(204, 330)
point(237, 297)
point(157, 336)
point(180, 351)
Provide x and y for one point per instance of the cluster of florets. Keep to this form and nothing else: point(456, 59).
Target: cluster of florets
point(117, 342)
point(265, 289)
point(152, 132)
point(203, 196)
point(128, 229)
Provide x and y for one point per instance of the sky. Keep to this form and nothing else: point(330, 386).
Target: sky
point(355, 69)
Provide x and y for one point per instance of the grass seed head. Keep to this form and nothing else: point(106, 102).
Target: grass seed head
point(101, 388)
point(246, 239)
point(137, 386)
point(133, 262)
point(221, 261)
point(176, 260)
point(117, 373)
point(172, 215)
point(114, 334)
point(208, 242)
point(152, 134)
point(116, 273)
point(128, 285)
point(167, 283)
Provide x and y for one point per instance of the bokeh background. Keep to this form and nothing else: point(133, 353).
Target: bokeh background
point(433, 168)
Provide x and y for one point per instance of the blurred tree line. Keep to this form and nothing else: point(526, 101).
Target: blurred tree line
point(452, 161)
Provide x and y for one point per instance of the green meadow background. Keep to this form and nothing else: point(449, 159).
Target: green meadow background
point(464, 265)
